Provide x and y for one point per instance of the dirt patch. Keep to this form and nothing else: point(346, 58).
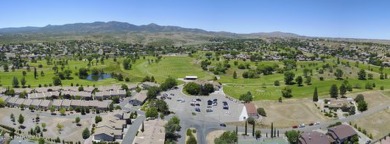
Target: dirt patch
point(290, 112)
point(212, 135)
point(377, 124)
point(374, 98)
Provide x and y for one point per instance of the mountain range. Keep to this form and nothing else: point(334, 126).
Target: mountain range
point(125, 32)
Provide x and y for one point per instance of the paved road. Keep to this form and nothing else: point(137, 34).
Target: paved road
point(132, 131)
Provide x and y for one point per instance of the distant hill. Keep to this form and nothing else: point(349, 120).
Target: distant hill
point(126, 32)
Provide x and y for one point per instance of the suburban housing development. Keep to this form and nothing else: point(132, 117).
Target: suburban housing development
point(221, 82)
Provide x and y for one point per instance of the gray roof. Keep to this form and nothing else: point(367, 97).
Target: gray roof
point(36, 102)
point(27, 102)
point(57, 102)
point(66, 103)
point(45, 103)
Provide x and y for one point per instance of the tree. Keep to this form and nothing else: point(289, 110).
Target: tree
point(35, 73)
point(235, 75)
point(288, 77)
point(23, 81)
point(56, 81)
point(41, 141)
point(370, 76)
point(362, 74)
point(338, 74)
point(77, 120)
point(98, 119)
point(333, 92)
point(253, 128)
point(171, 128)
point(2, 103)
point(286, 92)
point(191, 140)
point(60, 127)
point(192, 88)
point(246, 128)
point(37, 129)
point(43, 126)
point(62, 111)
point(315, 95)
point(227, 137)
point(292, 136)
point(276, 83)
point(359, 97)
point(343, 90)
point(15, 82)
point(246, 97)
point(299, 80)
point(151, 112)
point(86, 133)
point(272, 130)
point(251, 120)
point(127, 64)
point(258, 134)
point(21, 119)
point(261, 112)
point(52, 109)
point(5, 67)
point(12, 117)
point(83, 73)
point(362, 105)
point(168, 84)
point(153, 92)
point(308, 80)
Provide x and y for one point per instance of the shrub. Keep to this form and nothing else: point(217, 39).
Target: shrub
point(261, 112)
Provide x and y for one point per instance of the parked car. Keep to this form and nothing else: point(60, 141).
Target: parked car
point(222, 125)
point(295, 126)
point(192, 104)
point(209, 102)
point(209, 110)
point(197, 104)
point(198, 99)
point(197, 109)
point(317, 123)
point(209, 107)
point(302, 125)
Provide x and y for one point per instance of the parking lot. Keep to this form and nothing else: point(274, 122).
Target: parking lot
point(180, 103)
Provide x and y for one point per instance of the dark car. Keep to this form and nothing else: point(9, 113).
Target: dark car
point(197, 109)
point(198, 99)
point(209, 102)
point(222, 125)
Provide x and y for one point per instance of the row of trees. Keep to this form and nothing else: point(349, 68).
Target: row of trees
point(199, 89)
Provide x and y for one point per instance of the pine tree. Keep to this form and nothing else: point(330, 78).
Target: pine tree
point(253, 129)
point(143, 127)
point(235, 75)
point(333, 92)
point(246, 127)
point(272, 129)
point(315, 95)
point(35, 73)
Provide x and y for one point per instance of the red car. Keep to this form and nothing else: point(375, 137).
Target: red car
point(295, 127)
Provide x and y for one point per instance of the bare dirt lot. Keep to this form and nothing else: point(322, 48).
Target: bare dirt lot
point(70, 132)
point(212, 135)
point(290, 112)
point(374, 98)
point(377, 124)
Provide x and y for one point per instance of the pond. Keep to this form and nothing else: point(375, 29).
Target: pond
point(102, 76)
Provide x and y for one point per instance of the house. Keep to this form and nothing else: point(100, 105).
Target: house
point(343, 104)
point(57, 103)
point(139, 98)
point(341, 133)
point(146, 85)
point(251, 110)
point(154, 133)
point(120, 93)
point(12, 101)
point(190, 77)
point(19, 102)
point(313, 137)
point(66, 103)
point(45, 104)
point(102, 95)
point(36, 103)
point(103, 105)
point(110, 129)
point(75, 103)
point(27, 102)
point(4, 98)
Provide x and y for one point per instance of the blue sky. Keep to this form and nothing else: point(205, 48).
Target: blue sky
point(328, 18)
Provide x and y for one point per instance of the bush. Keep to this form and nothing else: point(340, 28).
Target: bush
point(261, 112)
point(277, 83)
point(251, 120)
point(189, 133)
